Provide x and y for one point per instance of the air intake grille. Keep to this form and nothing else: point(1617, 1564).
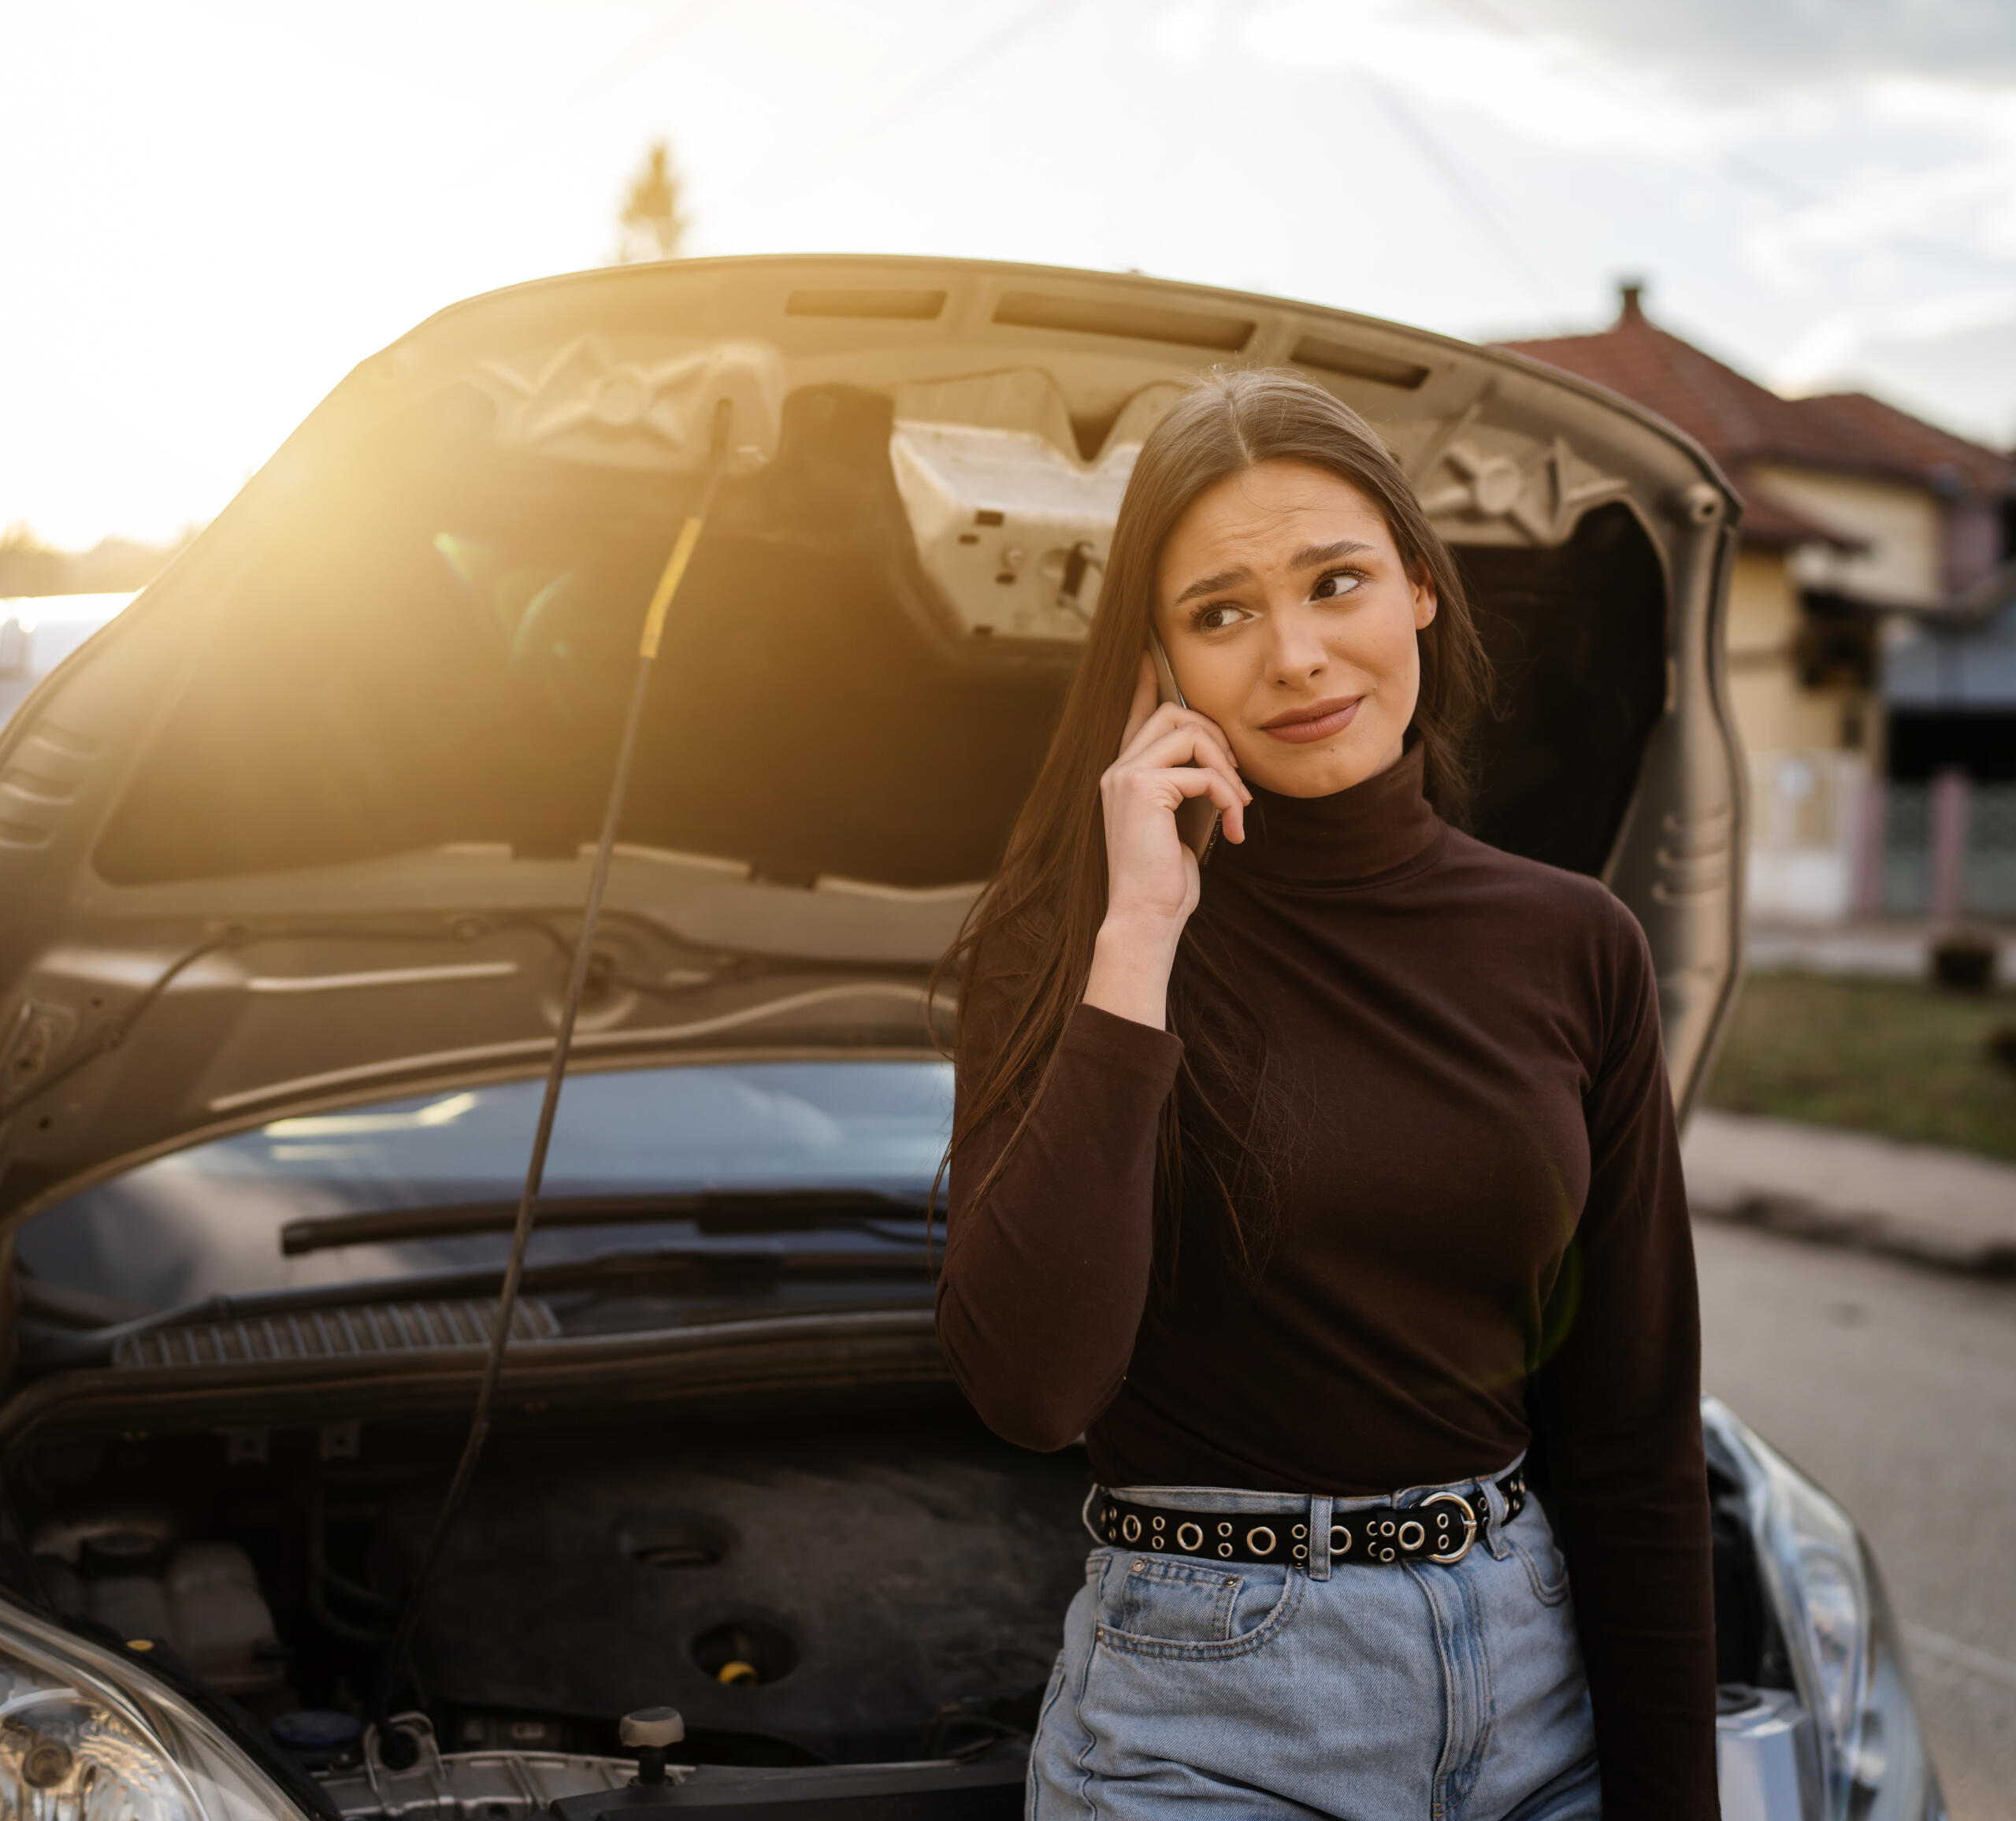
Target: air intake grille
point(340, 1334)
point(36, 790)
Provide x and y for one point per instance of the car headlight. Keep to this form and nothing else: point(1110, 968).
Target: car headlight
point(85, 1738)
point(1828, 1599)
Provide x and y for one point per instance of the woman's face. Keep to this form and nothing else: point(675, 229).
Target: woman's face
point(1289, 620)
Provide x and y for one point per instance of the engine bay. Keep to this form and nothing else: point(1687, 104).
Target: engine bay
point(810, 1592)
point(851, 1603)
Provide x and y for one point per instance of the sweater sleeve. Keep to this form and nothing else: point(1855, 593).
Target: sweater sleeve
point(1046, 1276)
point(1618, 1408)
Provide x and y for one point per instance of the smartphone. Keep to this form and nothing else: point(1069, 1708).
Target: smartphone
point(1196, 818)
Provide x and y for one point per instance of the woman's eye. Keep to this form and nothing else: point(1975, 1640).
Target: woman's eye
point(1215, 619)
point(1337, 583)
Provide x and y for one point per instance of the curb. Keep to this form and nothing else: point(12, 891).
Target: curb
point(1854, 1230)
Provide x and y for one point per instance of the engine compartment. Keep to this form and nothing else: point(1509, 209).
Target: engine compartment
point(881, 1586)
point(827, 1591)
point(827, 1586)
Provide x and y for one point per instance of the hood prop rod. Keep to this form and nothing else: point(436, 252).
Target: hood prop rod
point(396, 1747)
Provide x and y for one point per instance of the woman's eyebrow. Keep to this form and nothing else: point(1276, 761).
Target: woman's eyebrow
point(1318, 553)
point(1210, 584)
point(1308, 558)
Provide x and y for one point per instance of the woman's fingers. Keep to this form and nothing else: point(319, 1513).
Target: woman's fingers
point(1186, 744)
point(1229, 797)
point(1169, 719)
point(1144, 701)
point(1161, 789)
point(1169, 755)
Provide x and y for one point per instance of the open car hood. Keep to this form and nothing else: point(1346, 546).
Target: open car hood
point(311, 822)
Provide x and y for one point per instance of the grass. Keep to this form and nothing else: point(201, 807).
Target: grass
point(1906, 1061)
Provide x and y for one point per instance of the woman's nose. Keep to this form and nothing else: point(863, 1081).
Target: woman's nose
point(1297, 652)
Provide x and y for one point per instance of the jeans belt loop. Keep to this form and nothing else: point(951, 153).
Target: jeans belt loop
point(1319, 1537)
point(1494, 1536)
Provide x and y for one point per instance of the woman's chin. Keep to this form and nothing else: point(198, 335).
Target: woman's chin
point(1317, 771)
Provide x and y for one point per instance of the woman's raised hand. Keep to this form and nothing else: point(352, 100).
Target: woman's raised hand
point(1167, 755)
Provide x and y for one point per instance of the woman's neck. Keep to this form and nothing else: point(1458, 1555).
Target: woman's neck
point(1381, 826)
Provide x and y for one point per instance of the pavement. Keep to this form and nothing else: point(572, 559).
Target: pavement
point(1950, 1209)
point(1894, 948)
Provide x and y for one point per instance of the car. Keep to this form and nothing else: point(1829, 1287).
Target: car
point(296, 852)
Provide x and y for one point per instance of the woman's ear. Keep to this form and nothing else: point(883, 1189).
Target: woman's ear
point(1425, 602)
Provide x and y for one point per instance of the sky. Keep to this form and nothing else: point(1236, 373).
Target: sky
point(211, 210)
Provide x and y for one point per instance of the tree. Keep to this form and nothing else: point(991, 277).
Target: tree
point(652, 226)
point(27, 566)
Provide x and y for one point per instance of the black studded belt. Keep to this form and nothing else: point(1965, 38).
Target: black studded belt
point(1440, 1528)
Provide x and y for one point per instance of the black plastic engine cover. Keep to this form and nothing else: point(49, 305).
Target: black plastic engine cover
point(870, 1576)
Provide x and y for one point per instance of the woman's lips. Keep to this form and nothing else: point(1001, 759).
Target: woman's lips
point(1318, 721)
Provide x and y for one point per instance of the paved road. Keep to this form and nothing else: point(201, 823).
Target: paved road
point(1894, 1386)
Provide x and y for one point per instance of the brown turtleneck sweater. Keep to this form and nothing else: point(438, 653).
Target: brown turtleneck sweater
point(1483, 1232)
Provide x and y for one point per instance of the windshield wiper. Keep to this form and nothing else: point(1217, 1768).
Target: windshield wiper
point(713, 1211)
point(677, 1270)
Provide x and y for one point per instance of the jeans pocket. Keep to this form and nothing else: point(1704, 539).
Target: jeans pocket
point(1174, 1608)
point(1545, 1568)
point(1175, 1602)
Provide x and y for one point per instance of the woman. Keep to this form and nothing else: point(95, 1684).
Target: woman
point(1315, 1185)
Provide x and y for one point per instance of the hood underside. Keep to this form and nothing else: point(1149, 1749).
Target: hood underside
point(309, 823)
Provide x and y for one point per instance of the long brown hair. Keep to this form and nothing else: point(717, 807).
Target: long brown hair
point(1032, 930)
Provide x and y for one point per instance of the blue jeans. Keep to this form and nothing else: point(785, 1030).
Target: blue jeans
point(1407, 1691)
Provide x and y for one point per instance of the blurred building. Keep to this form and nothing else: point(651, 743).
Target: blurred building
point(1872, 544)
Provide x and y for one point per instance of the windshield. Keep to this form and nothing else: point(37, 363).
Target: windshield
point(209, 1220)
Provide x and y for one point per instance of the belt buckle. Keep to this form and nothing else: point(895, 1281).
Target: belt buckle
point(1469, 1524)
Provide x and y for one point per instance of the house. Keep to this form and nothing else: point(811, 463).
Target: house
point(1863, 529)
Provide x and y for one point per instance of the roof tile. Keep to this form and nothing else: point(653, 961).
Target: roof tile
point(1739, 422)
